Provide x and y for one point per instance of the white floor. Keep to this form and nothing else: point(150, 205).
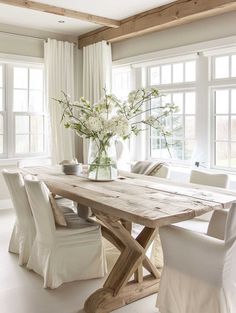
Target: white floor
point(21, 291)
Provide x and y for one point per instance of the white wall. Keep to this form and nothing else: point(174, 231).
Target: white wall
point(206, 29)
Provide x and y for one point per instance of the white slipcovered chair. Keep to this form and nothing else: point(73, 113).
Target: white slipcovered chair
point(23, 233)
point(62, 254)
point(27, 162)
point(157, 169)
point(199, 273)
point(200, 223)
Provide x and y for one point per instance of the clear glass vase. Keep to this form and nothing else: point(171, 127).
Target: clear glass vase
point(102, 165)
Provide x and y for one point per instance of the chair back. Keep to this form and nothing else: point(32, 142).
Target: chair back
point(230, 229)
point(157, 169)
point(16, 187)
point(38, 195)
point(203, 178)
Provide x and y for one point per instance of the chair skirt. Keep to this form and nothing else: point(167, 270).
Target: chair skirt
point(21, 241)
point(70, 257)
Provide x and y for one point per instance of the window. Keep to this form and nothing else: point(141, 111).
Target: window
point(204, 87)
point(180, 78)
point(224, 110)
point(23, 116)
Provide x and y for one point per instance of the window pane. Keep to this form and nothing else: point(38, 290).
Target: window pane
point(190, 71)
point(222, 101)
point(190, 103)
point(178, 73)
point(190, 127)
point(166, 98)
point(177, 126)
point(20, 101)
point(233, 155)
point(233, 101)
point(35, 101)
point(155, 75)
point(20, 77)
point(22, 124)
point(1, 100)
point(36, 143)
point(1, 143)
point(36, 124)
point(233, 128)
point(178, 99)
point(177, 149)
point(36, 79)
point(166, 74)
point(22, 143)
point(189, 146)
point(1, 124)
point(222, 67)
point(233, 66)
point(1, 74)
point(222, 153)
point(222, 123)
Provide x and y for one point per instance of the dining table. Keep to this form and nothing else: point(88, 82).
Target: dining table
point(132, 199)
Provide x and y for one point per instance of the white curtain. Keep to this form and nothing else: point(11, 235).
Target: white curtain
point(97, 66)
point(59, 64)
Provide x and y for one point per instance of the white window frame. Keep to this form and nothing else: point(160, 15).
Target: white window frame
point(171, 88)
point(9, 62)
point(218, 84)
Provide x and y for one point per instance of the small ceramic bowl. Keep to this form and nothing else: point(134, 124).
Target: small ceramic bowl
point(71, 169)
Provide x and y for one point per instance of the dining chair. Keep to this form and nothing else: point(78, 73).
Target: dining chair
point(62, 254)
point(22, 163)
point(199, 273)
point(200, 223)
point(23, 233)
point(157, 169)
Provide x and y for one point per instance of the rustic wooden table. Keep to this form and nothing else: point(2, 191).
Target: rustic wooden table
point(139, 199)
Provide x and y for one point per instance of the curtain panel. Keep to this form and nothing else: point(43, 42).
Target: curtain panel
point(97, 67)
point(59, 68)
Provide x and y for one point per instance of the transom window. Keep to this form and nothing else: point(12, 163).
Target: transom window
point(23, 116)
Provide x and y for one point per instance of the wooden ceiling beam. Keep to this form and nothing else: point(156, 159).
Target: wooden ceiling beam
point(173, 14)
point(42, 7)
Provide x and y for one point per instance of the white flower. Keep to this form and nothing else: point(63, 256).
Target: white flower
point(94, 124)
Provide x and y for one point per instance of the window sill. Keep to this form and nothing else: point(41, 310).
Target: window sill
point(14, 161)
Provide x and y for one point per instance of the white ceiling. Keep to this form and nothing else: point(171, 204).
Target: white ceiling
point(115, 9)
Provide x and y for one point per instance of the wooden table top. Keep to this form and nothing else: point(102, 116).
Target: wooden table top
point(141, 199)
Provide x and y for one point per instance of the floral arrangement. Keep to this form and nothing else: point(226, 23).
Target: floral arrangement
point(112, 118)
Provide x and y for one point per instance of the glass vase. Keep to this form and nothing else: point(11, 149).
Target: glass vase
point(102, 165)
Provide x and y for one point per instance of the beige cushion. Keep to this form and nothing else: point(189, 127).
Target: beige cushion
point(57, 213)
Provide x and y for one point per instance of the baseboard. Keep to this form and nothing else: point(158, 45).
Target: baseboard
point(5, 204)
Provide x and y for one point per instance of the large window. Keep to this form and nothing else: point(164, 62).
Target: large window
point(203, 85)
point(176, 81)
point(22, 111)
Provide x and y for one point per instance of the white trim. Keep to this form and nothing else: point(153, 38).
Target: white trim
point(14, 58)
point(5, 204)
point(179, 51)
point(172, 60)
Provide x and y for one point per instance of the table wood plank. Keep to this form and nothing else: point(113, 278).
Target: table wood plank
point(150, 202)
